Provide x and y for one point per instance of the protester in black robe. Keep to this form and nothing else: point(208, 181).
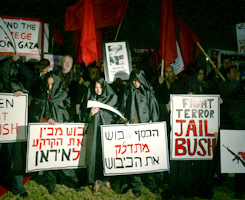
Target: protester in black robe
point(99, 91)
point(15, 78)
point(140, 106)
point(51, 105)
point(190, 178)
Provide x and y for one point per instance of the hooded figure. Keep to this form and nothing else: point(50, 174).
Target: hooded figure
point(15, 75)
point(15, 78)
point(140, 103)
point(140, 106)
point(50, 103)
point(99, 91)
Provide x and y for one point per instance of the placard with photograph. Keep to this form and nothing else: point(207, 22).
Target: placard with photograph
point(117, 61)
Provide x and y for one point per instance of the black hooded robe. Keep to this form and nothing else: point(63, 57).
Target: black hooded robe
point(14, 76)
point(141, 107)
point(103, 117)
point(54, 105)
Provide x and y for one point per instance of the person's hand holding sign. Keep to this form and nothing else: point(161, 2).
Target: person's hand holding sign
point(93, 111)
point(51, 122)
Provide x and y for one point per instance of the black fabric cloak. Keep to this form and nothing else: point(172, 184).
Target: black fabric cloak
point(143, 99)
point(103, 117)
point(55, 107)
point(140, 106)
point(15, 76)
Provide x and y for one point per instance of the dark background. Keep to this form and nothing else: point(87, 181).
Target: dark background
point(213, 20)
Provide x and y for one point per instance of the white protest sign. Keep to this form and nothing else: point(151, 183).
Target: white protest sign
point(240, 31)
point(178, 64)
point(60, 146)
point(13, 117)
point(117, 61)
point(134, 149)
point(194, 126)
point(232, 151)
point(27, 34)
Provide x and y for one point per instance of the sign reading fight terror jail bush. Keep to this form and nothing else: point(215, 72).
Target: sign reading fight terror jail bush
point(195, 125)
point(134, 149)
point(13, 117)
point(27, 34)
point(51, 147)
point(232, 151)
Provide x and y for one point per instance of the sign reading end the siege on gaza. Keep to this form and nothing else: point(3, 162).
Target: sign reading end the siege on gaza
point(134, 149)
point(13, 117)
point(27, 35)
point(195, 125)
point(51, 147)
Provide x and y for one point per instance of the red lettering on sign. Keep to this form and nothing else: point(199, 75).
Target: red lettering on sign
point(180, 146)
point(181, 127)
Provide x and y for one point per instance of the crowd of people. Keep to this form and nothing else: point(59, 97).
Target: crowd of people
point(60, 94)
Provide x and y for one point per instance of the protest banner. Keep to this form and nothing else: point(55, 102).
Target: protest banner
point(194, 126)
point(117, 60)
point(178, 64)
point(13, 117)
point(134, 149)
point(51, 147)
point(232, 151)
point(240, 33)
point(28, 35)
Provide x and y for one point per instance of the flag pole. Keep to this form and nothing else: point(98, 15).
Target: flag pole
point(221, 76)
point(118, 29)
point(162, 68)
point(121, 20)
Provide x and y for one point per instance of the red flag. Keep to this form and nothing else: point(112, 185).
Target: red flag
point(58, 36)
point(167, 35)
point(109, 12)
point(99, 45)
point(188, 40)
point(88, 41)
point(106, 12)
point(73, 17)
point(76, 44)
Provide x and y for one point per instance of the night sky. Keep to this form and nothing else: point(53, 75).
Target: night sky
point(212, 20)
